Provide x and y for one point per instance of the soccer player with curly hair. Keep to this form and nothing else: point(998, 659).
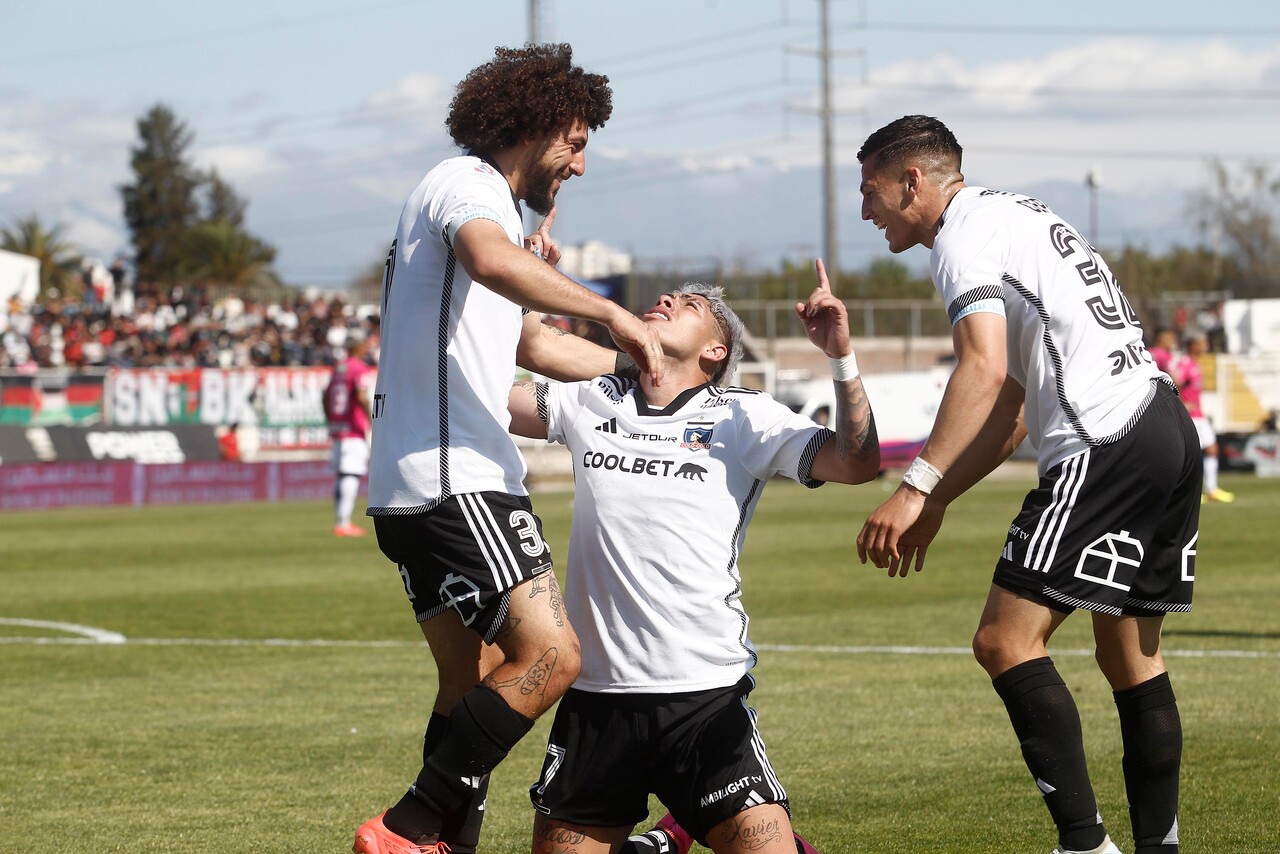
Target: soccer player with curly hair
point(461, 299)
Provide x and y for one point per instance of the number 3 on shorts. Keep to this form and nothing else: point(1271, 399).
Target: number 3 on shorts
point(526, 527)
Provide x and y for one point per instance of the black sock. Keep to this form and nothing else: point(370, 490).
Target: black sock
point(1152, 733)
point(651, 842)
point(1047, 724)
point(461, 830)
point(481, 730)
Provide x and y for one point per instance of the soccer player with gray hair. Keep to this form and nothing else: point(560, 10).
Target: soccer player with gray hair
point(666, 481)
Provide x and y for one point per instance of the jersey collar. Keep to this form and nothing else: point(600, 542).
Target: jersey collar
point(487, 159)
point(643, 408)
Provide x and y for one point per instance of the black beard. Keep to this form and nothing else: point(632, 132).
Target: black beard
point(539, 196)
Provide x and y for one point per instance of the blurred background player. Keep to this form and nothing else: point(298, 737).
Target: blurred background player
point(666, 482)
point(1047, 346)
point(346, 405)
point(461, 299)
point(1164, 349)
point(1186, 372)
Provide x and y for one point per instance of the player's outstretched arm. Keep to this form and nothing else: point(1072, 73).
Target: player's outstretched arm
point(560, 355)
point(522, 403)
point(491, 259)
point(901, 529)
point(854, 456)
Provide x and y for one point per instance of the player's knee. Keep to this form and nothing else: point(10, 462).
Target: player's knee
point(568, 663)
point(988, 649)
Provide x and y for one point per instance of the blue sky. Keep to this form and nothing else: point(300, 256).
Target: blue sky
point(325, 114)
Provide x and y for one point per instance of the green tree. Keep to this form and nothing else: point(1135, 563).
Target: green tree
point(59, 259)
point(223, 254)
point(1238, 214)
point(160, 205)
point(220, 202)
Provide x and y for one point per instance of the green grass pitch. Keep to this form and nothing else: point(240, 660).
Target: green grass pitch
point(198, 736)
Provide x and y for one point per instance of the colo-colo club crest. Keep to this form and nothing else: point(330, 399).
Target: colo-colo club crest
point(697, 436)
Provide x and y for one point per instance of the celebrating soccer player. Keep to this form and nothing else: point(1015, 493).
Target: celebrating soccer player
point(460, 303)
point(666, 481)
point(1048, 347)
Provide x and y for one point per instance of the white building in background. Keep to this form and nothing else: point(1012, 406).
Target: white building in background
point(593, 260)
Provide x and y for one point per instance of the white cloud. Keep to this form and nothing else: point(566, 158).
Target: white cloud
point(238, 162)
point(415, 106)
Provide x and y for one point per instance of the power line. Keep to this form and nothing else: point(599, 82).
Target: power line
point(1062, 30)
point(1071, 92)
point(698, 43)
point(207, 35)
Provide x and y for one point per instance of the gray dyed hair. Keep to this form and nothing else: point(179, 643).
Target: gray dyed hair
point(731, 328)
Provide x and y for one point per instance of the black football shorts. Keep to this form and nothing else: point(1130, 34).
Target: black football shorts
point(1114, 529)
point(467, 553)
point(700, 752)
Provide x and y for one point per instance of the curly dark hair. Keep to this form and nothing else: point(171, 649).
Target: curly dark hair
point(526, 92)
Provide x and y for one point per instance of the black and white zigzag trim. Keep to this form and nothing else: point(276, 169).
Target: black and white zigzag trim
point(968, 298)
point(1081, 603)
point(1054, 356)
point(809, 454)
point(540, 392)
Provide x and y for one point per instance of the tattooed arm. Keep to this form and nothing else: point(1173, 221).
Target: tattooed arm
point(554, 353)
point(853, 455)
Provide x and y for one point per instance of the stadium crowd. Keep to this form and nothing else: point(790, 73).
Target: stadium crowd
point(179, 328)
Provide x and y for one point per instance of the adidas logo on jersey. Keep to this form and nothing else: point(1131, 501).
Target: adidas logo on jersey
point(610, 426)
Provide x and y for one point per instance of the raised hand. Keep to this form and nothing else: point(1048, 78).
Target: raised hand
point(825, 318)
point(540, 242)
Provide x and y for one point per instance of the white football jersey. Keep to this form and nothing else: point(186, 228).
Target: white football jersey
point(448, 352)
point(1074, 342)
point(662, 500)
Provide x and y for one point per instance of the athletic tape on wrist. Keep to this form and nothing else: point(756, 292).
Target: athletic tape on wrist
point(844, 368)
point(922, 476)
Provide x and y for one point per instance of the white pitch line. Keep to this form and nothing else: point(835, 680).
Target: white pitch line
point(87, 633)
point(89, 636)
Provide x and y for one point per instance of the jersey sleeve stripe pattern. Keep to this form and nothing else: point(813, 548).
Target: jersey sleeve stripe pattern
point(967, 299)
point(540, 393)
point(809, 454)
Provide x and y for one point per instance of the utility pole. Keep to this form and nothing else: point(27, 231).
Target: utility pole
point(537, 33)
point(830, 228)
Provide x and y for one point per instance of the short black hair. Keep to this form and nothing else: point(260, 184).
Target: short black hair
point(911, 136)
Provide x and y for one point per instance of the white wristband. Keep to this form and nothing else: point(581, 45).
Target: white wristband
point(844, 368)
point(922, 476)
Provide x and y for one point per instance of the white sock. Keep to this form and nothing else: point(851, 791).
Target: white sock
point(348, 489)
point(1210, 473)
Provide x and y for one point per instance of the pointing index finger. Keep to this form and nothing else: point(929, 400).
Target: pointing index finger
point(545, 227)
point(823, 283)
